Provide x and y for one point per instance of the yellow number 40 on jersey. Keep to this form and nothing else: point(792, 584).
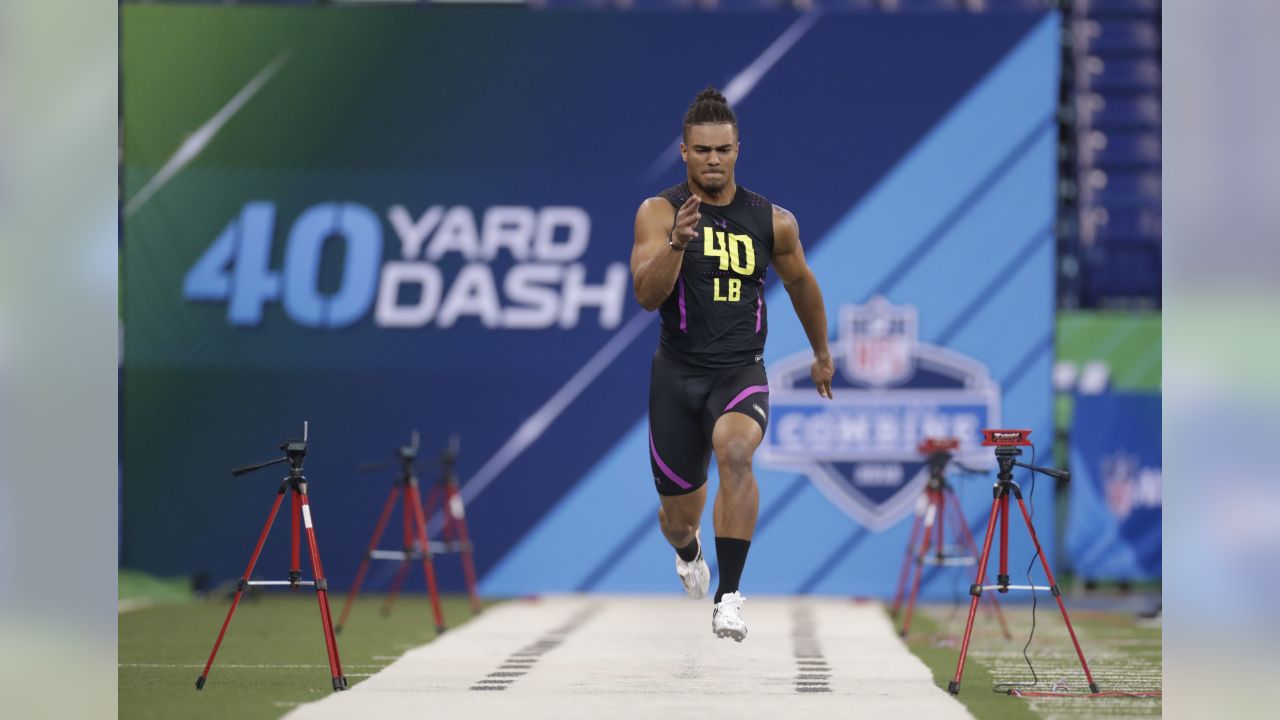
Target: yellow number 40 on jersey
point(714, 244)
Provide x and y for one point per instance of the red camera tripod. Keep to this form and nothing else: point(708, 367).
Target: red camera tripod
point(927, 529)
point(296, 485)
point(1007, 444)
point(416, 544)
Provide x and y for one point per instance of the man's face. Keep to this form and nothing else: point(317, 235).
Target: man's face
point(710, 151)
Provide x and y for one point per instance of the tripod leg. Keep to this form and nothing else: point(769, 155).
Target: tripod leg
point(440, 496)
point(295, 564)
point(976, 591)
point(433, 497)
point(940, 499)
point(972, 547)
point(930, 515)
point(458, 514)
point(364, 564)
point(244, 582)
point(322, 597)
point(1002, 578)
point(1057, 595)
point(427, 566)
point(403, 570)
point(906, 561)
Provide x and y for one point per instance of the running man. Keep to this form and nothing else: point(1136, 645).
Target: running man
point(700, 255)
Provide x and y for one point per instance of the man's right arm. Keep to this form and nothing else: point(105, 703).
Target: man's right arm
point(658, 250)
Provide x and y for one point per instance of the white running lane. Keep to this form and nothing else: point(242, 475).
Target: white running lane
point(623, 658)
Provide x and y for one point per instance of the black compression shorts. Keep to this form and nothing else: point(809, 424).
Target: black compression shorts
point(684, 404)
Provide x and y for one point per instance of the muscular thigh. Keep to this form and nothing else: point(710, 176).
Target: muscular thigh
point(685, 509)
point(742, 391)
point(679, 446)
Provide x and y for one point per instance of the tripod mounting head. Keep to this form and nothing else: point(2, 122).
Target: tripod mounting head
point(1008, 445)
point(409, 453)
point(938, 452)
point(1006, 457)
point(406, 454)
point(295, 451)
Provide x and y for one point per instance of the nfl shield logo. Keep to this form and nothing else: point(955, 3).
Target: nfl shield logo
point(880, 338)
point(1120, 477)
point(860, 449)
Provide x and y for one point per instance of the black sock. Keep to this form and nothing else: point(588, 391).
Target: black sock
point(731, 554)
point(689, 552)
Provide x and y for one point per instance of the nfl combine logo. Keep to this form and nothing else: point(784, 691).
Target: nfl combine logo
point(891, 391)
point(880, 338)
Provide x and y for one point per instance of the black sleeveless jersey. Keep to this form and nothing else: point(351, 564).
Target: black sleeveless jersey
point(715, 316)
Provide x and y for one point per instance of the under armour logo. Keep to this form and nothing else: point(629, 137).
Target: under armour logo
point(760, 410)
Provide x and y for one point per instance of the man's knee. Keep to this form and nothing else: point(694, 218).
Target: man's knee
point(734, 458)
point(674, 524)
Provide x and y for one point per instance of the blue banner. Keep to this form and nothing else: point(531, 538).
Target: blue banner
point(1116, 489)
point(407, 218)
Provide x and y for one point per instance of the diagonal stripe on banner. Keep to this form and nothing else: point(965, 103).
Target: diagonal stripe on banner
point(597, 574)
point(741, 85)
point(962, 208)
point(832, 560)
point(987, 293)
point(1011, 379)
point(537, 423)
point(616, 553)
point(200, 139)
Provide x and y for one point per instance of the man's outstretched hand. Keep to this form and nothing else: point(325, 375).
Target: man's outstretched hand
point(687, 218)
point(822, 371)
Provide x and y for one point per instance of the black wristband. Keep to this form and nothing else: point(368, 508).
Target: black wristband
point(674, 246)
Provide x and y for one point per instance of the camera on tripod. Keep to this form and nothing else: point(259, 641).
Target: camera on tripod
point(1006, 438)
point(931, 445)
point(937, 452)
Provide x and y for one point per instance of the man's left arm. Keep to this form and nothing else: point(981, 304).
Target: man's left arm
point(806, 296)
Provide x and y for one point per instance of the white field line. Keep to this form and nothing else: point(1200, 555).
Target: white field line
point(1114, 672)
point(1117, 663)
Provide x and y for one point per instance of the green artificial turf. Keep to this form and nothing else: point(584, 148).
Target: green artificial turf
point(1129, 343)
point(1124, 654)
point(141, 588)
point(273, 657)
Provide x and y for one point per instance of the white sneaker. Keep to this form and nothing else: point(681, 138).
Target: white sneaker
point(695, 575)
point(726, 618)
